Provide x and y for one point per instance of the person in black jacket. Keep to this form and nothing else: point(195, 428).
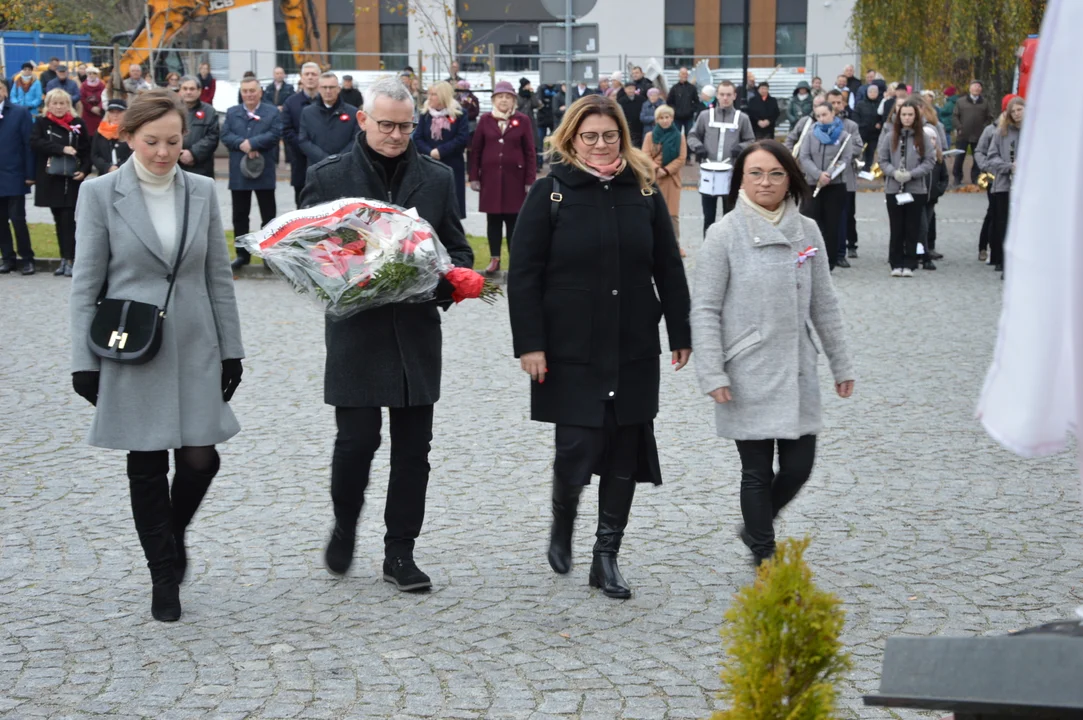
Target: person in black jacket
point(389, 356)
point(201, 139)
point(107, 151)
point(306, 94)
point(684, 99)
point(351, 95)
point(631, 103)
point(329, 126)
point(278, 91)
point(868, 119)
point(56, 137)
point(593, 241)
point(763, 111)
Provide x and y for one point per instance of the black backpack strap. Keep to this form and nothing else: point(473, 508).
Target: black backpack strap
point(555, 198)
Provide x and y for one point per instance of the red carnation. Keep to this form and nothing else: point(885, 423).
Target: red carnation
point(344, 117)
point(200, 115)
point(468, 283)
point(515, 123)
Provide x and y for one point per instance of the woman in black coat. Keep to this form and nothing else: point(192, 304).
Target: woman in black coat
point(596, 266)
point(57, 136)
point(763, 111)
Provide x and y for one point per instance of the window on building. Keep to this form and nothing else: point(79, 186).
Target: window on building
point(790, 44)
point(394, 46)
point(680, 46)
point(514, 64)
point(341, 38)
point(731, 46)
point(284, 55)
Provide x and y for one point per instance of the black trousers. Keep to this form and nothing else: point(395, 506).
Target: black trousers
point(869, 155)
point(851, 220)
point(64, 218)
point(930, 227)
point(13, 210)
point(763, 491)
point(829, 212)
point(494, 229)
point(297, 195)
point(242, 209)
point(986, 224)
point(907, 224)
point(999, 202)
point(957, 167)
point(710, 209)
point(357, 441)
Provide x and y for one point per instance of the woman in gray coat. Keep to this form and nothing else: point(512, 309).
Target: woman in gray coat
point(129, 227)
point(907, 157)
point(1001, 160)
point(762, 288)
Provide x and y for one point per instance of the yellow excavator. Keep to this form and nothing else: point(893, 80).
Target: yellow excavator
point(165, 19)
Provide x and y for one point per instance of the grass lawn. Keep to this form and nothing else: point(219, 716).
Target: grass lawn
point(43, 239)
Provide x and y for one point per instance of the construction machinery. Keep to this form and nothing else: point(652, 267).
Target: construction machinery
point(164, 20)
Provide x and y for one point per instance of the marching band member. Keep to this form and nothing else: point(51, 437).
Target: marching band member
point(848, 228)
point(1001, 162)
point(797, 130)
point(938, 183)
point(981, 159)
point(907, 158)
point(720, 134)
point(827, 148)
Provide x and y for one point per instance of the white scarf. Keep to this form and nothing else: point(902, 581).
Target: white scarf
point(772, 216)
point(502, 118)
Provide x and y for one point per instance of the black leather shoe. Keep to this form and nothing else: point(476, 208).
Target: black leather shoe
point(842, 263)
point(165, 605)
point(606, 576)
point(852, 253)
point(565, 508)
point(999, 268)
point(339, 554)
point(59, 272)
point(7, 266)
point(614, 503)
point(151, 511)
point(935, 255)
point(238, 263)
point(28, 268)
point(757, 559)
point(404, 574)
point(928, 265)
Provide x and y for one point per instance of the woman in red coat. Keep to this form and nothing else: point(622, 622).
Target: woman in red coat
point(502, 167)
point(90, 94)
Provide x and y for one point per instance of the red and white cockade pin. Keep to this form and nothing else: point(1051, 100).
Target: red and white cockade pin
point(200, 114)
point(806, 254)
point(344, 117)
point(515, 123)
point(252, 115)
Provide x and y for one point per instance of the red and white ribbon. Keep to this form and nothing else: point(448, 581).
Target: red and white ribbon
point(252, 115)
point(806, 254)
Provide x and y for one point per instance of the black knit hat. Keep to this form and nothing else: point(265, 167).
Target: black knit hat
point(523, 82)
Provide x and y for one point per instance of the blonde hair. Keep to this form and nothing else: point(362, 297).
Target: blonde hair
point(661, 110)
point(1002, 126)
point(53, 95)
point(560, 146)
point(932, 128)
point(446, 93)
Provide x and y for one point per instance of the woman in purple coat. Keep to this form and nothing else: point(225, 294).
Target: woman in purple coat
point(502, 167)
point(442, 133)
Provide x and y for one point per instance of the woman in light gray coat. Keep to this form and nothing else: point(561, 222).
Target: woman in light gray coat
point(907, 157)
point(1002, 156)
point(762, 288)
point(129, 227)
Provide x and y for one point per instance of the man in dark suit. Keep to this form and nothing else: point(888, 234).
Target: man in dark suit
point(580, 91)
point(328, 127)
point(201, 140)
point(278, 91)
point(388, 356)
point(350, 94)
point(16, 177)
point(291, 125)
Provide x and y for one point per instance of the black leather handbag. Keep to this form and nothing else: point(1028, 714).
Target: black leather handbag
point(130, 332)
point(62, 165)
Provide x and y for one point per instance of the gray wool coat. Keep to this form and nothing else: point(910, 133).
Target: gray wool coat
point(1003, 153)
point(754, 310)
point(174, 400)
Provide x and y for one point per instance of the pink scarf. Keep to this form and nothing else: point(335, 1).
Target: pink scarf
point(606, 172)
point(501, 119)
point(440, 122)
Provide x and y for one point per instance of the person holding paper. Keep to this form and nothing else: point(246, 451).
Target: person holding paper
point(825, 154)
point(1002, 157)
point(719, 136)
point(907, 157)
point(848, 227)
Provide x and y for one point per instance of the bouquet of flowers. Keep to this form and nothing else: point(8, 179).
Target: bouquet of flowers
point(356, 254)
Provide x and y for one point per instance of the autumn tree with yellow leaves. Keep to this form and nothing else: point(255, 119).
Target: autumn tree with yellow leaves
point(945, 41)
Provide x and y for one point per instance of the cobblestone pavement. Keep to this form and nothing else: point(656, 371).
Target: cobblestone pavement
point(920, 523)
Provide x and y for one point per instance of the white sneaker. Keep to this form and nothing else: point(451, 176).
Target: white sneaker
point(907, 272)
point(897, 272)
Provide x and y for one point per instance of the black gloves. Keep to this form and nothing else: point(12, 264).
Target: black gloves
point(231, 377)
point(701, 154)
point(85, 384)
point(444, 290)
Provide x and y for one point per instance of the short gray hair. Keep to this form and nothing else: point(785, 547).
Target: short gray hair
point(389, 87)
point(329, 74)
point(191, 79)
point(310, 64)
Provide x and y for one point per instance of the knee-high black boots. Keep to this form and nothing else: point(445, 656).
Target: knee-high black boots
point(565, 508)
point(614, 505)
point(189, 487)
point(148, 481)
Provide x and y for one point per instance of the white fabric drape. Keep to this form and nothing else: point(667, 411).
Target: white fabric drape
point(1033, 394)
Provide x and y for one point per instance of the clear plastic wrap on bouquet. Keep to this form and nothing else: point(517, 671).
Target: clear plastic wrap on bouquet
point(353, 254)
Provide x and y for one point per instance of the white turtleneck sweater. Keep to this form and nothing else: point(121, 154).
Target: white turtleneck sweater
point(161, 205)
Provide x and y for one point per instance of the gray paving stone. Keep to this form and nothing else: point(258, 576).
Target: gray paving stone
point(919, 522)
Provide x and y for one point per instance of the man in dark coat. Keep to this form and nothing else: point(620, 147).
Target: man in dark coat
point(972, 114)
point(389, 356)
point(580, 91)
point(16, 177)
point(49, 73)
point(642, 83)
point(278, 91)
point(350, 94)
point(251, 131)
point(683, 98)
point(201, 140)
point(631, 103)
point(329, 126)
point(763, 111)
point(291, 125)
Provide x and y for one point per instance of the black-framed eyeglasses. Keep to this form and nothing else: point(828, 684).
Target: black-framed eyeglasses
point(609, 137)
point(387, 127)
point(775, 177)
